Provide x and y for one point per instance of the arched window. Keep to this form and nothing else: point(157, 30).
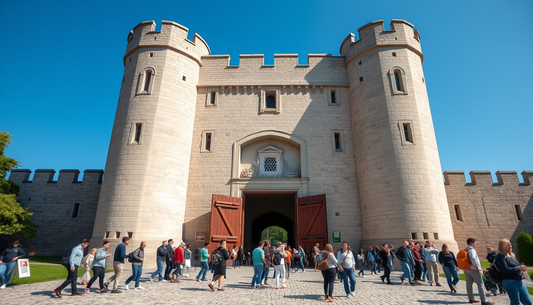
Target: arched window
point(397, 79)
point(146, 81)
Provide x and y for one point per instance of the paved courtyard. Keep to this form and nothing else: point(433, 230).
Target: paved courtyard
point(303, 288)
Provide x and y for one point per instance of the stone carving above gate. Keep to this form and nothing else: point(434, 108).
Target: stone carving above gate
point(270, 164)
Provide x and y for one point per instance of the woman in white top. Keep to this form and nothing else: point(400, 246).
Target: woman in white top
point(330, 272)
point(87, 263)
point(347, 269)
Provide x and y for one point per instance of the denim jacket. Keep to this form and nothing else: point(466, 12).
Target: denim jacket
point(76, 256)
point(100, 258)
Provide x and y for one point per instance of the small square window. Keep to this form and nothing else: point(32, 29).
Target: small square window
point(184, 78)
point(414, 236)
point(107, 234)
point(117, 234)
point(130, 234)
point(394, 54)
point(426, 235)
point(360, 62)
point(270, 100)
point(151, 54)
point(360, 79)
point(436, 236)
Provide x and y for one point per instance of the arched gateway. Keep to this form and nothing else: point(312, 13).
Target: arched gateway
point(269, 187)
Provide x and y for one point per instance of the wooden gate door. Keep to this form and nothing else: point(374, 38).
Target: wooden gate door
point(226, 222)
point(312, 221)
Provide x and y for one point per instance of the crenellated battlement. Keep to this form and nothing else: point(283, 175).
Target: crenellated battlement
point(484, 178)
point(322, 69)
point(42, 176)
point(373, 35)
point(172, 35)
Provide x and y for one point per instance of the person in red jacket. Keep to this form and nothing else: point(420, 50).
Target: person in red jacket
point(178, 259)
point(418, 263)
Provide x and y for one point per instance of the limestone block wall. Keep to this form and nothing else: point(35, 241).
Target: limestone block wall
point(53, 206)
point(397, 161)
point(304, 112)
point(487, 210)
point(144, 193)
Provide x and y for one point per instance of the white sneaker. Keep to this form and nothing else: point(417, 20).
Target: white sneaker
point(352, 294)
point(87, 290)
point(364, 276)
point(127, 287)
point(151, 280)
point(348, 295)
point(164, 281)
point(3, 286)
point(139, 288)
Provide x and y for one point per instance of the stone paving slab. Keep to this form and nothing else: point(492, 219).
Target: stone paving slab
point(303, 288)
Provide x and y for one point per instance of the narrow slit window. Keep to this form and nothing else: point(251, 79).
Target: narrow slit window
point(407, 132)
point(130, 234)
point(106, 235)
point(117, 234)
point(147, 79)
point(519, 214)
point(333, 100)
point(213, 97)
point(137, 138)
point(75, 210)
point(458, 213)
point(208, 141)
point(398, 80)
point(414, 236)
point(338, 146)
point(426, 235)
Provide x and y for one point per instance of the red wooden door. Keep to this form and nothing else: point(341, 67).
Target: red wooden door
point(226, 222)
point(312, 221)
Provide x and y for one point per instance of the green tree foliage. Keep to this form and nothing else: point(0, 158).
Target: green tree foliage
point(14, 219)
point(524, 245)
point(275, 234)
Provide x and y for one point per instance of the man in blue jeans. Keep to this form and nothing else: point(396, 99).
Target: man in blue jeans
point(204, 257)
point(137, 267)
point(405, 255)
point(161, 256)
point(74, 261)
point(258, 257)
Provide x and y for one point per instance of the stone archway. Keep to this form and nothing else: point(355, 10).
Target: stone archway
point(272, 219)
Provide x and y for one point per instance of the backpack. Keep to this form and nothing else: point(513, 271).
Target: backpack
point(495, 273)
point(216, 257)
point(131, 259)
point(463, 261)
point(377, 258)
point(65, 260)
point(277, 259)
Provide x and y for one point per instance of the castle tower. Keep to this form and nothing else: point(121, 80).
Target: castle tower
point(398, 167)
point(145, 184)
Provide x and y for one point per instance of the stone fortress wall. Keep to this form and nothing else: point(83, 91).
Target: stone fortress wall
point(53, 204)
point(489, 211)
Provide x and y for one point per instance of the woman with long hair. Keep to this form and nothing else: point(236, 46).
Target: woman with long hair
point(449, 265)
point(329, 274)
point(512, 274)
point(347, 269)
point(87, 263)
point(8, 260)
point(362, 261)
point(384, 253)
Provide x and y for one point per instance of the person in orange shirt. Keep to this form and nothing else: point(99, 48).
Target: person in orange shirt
point(288, 251)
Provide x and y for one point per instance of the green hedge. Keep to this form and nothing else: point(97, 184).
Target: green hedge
point(524, 244)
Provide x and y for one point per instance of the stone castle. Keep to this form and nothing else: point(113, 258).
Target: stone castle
point(340, 148)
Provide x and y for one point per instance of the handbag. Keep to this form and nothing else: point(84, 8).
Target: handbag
point(323, 264)
point(347, 253)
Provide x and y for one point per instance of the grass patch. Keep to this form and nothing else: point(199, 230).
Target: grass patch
point(461, 276)
point(530, 290)
point(43, 273)
point(530, 272)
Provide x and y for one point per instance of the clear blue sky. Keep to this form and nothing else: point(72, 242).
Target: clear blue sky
point(61, 67)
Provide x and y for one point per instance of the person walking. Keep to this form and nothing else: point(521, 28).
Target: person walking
point(220, 268)
point(169, 260)
point(98, 266)
point(377, 259)
point(161, 257)
point(258, 260)
point(371, 260)
point(204, 257)
point(300, 255)
point(137, 267)
point(347, 269)
point(405, 256)
point(118, 265)
point(240, 256)
point(269, 255)
point(512, 274)
point(449, 265)
point(475, 273)
point(418, 263)
point(187, 253)
point(328, 257)
point(74, 261)
point(235, 256)
point(316, 251)
point(179, 259)
point(362, 262)
point(384, 254)
point(288, 260)
point(8, 260)
point(431, 256)
point(87, 263)
point(279, 265)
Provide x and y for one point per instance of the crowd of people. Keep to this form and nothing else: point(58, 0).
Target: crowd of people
point(419, 263)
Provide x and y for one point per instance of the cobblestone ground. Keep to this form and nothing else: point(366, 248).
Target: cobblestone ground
point(303, 288)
